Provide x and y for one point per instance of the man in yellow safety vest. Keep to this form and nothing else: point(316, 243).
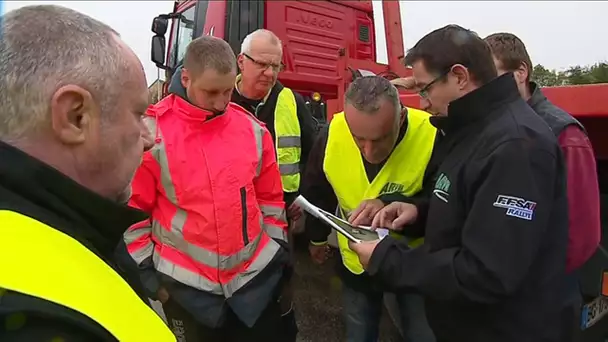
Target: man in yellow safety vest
point(373, 150)
point(71, 137)
point(284, 112)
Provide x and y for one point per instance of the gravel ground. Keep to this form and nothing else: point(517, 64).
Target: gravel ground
point(318, 304)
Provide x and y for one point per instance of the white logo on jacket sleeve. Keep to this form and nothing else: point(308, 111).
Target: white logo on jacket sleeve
point(516, 207)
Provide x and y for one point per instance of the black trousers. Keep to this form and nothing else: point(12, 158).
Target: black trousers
point(270, 327)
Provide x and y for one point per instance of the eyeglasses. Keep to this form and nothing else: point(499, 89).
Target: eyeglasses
point(264, 66)
point(424, 92)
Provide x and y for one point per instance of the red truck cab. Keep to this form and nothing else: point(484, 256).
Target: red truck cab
point(325, 43)
point(328, 43)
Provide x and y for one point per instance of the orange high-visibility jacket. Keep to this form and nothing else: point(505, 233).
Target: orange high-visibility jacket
point(213, 189)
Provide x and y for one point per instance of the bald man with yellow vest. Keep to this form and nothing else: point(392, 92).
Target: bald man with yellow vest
point(374, 150)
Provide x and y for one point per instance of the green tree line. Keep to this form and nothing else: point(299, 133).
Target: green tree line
point(591, 74)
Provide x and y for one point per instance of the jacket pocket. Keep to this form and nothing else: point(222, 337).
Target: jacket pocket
point(244, 215)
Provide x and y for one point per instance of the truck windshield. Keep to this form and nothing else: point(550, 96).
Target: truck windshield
point(181, 36)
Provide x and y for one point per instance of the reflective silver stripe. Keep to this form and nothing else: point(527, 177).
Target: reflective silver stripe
point(265, 256)
point(174, 237)
point(160, 155)
point(204, 256)
point(133, 234)
point(143, 253)
point(273, 231)
point(258, 131)
point(185, 276)
point(289, 169)
point(272, 211)
point(199, 282)
point(289, 141)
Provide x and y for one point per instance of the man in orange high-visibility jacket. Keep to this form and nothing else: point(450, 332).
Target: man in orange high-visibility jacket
point(215, 250)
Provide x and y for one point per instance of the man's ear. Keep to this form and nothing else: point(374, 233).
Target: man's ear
point(521, 74)
point(402, 115)
point(240, 61)
point(73, 111)
point(462, 75)
point(186, 79)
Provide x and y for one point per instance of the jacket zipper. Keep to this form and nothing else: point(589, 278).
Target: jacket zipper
point(244, 213)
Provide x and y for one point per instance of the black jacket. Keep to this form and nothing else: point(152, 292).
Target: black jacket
point(34, 189)
point(493, 264)
point(265, 114)
point(555, 117)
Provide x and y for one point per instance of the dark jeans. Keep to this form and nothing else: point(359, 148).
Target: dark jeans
point(270, 327)
point(362, 311)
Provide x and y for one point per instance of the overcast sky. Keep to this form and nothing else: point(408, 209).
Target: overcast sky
point(558, 34)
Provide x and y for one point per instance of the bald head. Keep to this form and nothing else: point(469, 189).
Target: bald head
point(43, 48)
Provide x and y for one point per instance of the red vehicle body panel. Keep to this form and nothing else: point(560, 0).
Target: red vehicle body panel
point(322, 46)
point(315, 35)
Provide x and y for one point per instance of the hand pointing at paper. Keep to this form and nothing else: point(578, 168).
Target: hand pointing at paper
point(365, 213)
point(395, 216)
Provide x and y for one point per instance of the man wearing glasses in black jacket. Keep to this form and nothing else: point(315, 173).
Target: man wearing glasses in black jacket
point(492, 267)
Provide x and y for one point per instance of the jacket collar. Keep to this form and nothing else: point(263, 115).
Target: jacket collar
point(97, 222)
point(537, 96)
point(277, 85)
point(477, 104)
point(175, 85)
point(192, 113)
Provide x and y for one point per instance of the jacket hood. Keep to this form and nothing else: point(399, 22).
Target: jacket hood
point(175, 85)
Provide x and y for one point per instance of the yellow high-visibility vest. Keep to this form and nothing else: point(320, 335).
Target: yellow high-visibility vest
point(403, 172)
point(288, 142)
point(40, 261)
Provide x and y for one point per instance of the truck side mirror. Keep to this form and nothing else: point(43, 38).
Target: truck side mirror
point(158, 51)
point(160, 25)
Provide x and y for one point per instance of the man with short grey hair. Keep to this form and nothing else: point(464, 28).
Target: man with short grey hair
point(372, 151)
point(284, 111)
point(72, 95)
point(286, 116)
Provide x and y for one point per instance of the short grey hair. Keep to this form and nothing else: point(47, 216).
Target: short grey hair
point(43, 48)
point(365, 94)
point(260, 33)
point(209, 52)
